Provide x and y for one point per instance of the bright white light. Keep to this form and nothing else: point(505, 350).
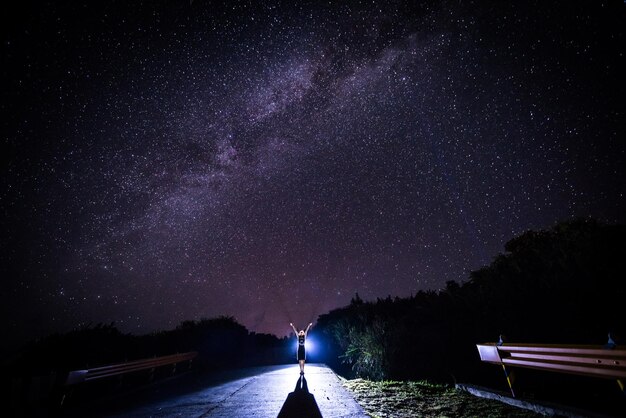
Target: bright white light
point(311, 347)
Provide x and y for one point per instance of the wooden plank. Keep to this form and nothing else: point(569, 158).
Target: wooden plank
point(594, 371)
point(584, 360)
point(78, 376)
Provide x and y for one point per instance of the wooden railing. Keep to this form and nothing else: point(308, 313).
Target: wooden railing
point(585, 360)
point(80, 376)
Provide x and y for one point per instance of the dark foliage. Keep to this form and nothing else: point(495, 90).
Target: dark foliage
point(563, 285)
point(35, 378)
point(220, 342)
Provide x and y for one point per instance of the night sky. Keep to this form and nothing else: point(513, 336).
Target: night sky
point(172, 160)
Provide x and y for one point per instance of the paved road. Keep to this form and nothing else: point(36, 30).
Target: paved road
point(261, 392)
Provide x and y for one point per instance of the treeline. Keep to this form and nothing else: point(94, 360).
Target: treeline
point(220, 342)
point(563, 285)
point(34, 380)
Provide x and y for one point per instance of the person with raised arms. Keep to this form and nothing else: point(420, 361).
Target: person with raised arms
point(301, 353)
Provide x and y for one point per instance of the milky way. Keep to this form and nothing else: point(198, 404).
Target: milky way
point(172, 161)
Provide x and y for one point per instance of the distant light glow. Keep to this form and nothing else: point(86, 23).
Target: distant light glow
point(311, 346)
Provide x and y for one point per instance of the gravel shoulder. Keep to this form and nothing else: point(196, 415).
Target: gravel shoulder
point(425, 399)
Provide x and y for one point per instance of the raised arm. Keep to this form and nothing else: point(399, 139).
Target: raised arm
point(308, 328)
point(295, 331)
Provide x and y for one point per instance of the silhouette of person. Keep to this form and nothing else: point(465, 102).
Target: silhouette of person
point(300, 403)
point(301, 353)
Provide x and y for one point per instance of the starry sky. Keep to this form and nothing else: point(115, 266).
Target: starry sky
point(172, 160)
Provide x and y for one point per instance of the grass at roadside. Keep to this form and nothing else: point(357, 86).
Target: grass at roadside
point(424, 399)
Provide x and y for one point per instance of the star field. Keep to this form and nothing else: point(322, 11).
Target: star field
point(267, 160)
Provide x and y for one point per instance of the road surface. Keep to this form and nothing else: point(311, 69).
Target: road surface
point(260, 392)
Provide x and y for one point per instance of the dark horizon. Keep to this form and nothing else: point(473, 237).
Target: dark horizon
point(169, 161)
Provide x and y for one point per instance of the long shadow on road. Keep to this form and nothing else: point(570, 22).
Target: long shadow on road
point(300, 403)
